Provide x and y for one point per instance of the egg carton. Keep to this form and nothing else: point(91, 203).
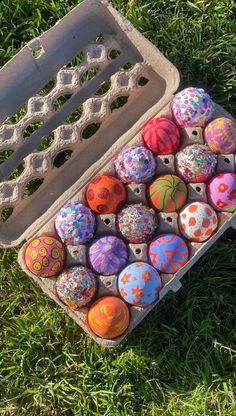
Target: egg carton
point(118, 66)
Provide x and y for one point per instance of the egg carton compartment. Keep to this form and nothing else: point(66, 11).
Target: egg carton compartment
point(138, 252)
point(165, 164)
point(197, 192)
point(168, 222)
point(76, 255)
point(98, 105)
point(226, 163)
point(192, 135)
point(106, 224)
point(136, 193)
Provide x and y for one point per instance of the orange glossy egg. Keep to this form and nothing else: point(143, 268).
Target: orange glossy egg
point(106, 194)
point(108, 317)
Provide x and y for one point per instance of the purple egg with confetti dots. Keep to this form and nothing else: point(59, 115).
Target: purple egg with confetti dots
point(196, 163)
point(75, 223)
point(192, 107)
point(108, 255)
point(139, 284)
point(168, 253)
point(135, 164)
point(76, 286)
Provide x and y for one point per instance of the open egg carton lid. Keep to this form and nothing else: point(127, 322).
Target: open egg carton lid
point(113, 55)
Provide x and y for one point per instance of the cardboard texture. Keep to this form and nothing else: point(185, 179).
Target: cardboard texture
point(126, 65)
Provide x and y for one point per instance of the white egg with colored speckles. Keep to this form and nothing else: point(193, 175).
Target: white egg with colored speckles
point(198, 221)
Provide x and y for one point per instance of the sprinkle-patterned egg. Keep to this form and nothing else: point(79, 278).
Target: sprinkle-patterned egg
point(106, 194)
point(167, 193)
point(76, 286)
point(44, 256)
point(161, 136)
point(196, 163)
point(108, 255)
point(198, 221)
point(168, 253)
point(137, 223)
point(220, 135)
point(108, 317)
point(139, 284)
point(135, 164)
point(192, 107)
point(75, 223)
point(221, 192)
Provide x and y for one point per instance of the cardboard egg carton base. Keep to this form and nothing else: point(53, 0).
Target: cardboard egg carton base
point(167, 222)
point(124, 69)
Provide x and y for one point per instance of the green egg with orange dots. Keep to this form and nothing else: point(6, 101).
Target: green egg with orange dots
point(198, 221)
point(167, 193)
point(44, 256)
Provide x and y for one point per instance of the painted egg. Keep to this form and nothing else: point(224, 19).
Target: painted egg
point(108, 255)
point(76, 286)
point(108, 317)
point(196, 163)
point(139, 284)
point(198, 221)
point(161, 136)
point(137, 223)
point(75, 223)
point(135, 164)
point(106, 194)
point(167, 193)
point(168, 253)
point(220, 135)
point(221, 192)
point(44, 256)
point(192, 107)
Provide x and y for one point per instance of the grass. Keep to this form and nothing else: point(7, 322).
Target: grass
point(180, 361)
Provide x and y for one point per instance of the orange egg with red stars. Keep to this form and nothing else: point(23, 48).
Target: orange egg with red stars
point(108, 317)
point(106, 194)
point(198, 221)
point(44, 256)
